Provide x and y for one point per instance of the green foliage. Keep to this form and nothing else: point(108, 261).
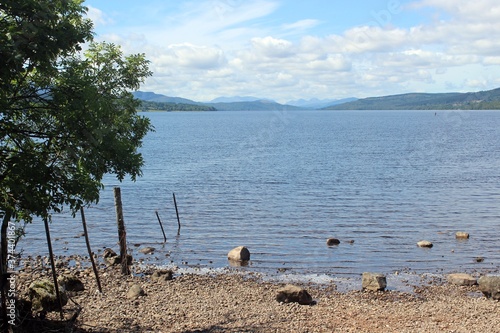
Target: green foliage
point(165, 106)
point(66, 118)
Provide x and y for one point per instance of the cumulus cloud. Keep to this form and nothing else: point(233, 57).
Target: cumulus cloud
point(191, 56)
point(273, 47)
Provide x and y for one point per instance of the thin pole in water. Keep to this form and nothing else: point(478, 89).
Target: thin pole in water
point(122, 234)
point(177, 213)
point(161, 226)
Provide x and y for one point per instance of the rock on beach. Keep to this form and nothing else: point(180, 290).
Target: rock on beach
point(490, 286)
point(162, 275)
point(291, 293)
point(373, 281)
point(70, 282)
point(43, 296)
point(461, 279)
point(135, 291)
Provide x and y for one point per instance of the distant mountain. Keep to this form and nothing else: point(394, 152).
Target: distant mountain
point(157, 102)
point(482, 100)
point(153, 97)
point(260, 105)
point(235, 99)
point(315, 103)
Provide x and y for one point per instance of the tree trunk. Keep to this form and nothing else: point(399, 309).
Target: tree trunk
point(3, 269)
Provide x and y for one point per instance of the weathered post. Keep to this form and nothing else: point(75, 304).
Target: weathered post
point(52, 264)
point(122, 235)
point(90, 251)
point(161, 226)
point(177, 213)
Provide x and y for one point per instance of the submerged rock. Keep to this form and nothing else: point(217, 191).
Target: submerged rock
point(147, 250)
point(332, 241)
point(424, 243)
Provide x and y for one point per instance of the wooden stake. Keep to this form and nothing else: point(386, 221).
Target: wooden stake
point(177, 213)
point(122, 235)
point(161, 226)
point(52, 264)
point(90, 251)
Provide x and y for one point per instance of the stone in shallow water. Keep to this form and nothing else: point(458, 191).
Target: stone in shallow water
point(461, 235)
point(424, 243)
point(374, 281)
point(239, 253)
point(332, 241)
point(147, 250)
point(461, 279)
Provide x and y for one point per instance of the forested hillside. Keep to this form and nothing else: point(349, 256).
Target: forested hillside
point(165, 106)
point(482, 100)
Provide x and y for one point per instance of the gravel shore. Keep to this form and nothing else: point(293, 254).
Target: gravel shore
point(235, 302)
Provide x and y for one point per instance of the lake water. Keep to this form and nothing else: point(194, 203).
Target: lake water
point(281, 183)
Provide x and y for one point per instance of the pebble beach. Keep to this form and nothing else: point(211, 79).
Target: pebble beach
point(232, 301)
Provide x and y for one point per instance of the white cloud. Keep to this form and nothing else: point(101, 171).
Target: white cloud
point(301, 25)
point(273, 47)
point(465, 10)
point(97, 16)
point(209, 22)
point(191, 56)
point(372, 39)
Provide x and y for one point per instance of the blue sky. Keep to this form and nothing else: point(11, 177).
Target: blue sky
point(286, 50)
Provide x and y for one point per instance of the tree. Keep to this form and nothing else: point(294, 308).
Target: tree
point(67, 117)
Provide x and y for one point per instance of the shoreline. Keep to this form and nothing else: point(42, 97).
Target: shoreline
point(400, 280)
point(229, 300)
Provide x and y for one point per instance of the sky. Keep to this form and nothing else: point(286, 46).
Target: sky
point(290, 49)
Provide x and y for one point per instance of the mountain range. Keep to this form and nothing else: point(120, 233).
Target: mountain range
point(489, 99)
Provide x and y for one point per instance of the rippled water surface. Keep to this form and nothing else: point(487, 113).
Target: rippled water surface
point(281, 183)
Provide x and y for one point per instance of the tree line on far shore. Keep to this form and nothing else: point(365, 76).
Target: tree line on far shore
point(165, 106)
